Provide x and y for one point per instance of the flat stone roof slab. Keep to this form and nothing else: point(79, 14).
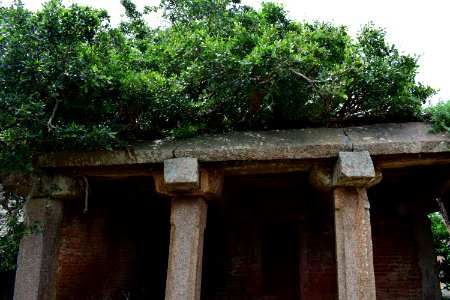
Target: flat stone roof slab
point(294, 144)
point(143, 153)
point(267, 145)
point(397, 138)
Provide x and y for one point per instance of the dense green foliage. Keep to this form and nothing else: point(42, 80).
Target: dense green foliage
point(70, 81)
point(12, 229)
point(439, 116)
point(441, 240)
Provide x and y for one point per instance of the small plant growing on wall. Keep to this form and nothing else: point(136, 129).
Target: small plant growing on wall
point(441, 239)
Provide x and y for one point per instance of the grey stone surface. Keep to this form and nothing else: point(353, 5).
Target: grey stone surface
point(397, 138)
point(181, 175)
point(42, 185)
point(267, 145)
point(37, 260)
point(353, 169)
point(29, 264)
point(188, 221)
point(313, 143)
point(321, 177)
point(354, 254)
point(141, 153)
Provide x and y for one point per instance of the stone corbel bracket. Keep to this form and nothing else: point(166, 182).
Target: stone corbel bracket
point(351, 169)
point(183, 177)
point(58, 187)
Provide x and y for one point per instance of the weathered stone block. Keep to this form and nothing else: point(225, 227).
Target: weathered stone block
point(353, 169)
point(41, 185)
point(321, 177)
point(181, 174)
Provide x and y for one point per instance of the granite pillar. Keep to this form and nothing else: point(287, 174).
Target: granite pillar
point(37, 259)
point(189, 187)
point(348, 180)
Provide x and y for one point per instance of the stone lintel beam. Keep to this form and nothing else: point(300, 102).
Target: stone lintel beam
point(41, 185)
point(184, 177)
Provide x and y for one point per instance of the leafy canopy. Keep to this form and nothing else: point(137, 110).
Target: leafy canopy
point(70, 81)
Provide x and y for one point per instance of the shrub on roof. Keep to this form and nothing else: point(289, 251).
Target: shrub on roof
point(70, 81)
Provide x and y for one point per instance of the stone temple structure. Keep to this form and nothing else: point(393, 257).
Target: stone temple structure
point(324, 213)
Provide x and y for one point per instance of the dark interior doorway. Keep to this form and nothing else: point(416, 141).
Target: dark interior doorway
point(280, 260)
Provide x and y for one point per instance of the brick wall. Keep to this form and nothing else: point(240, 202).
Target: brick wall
point(236, 242)
point(231, 264)
point(96, 257)
point(117, 249)
point(318, 273)
point(233, 260)
point(397, 273)
point(121, 245)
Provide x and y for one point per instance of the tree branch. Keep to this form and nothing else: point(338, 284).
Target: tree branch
point(49, 123)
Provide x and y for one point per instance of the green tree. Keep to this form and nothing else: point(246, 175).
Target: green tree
point(69, 81)
point(439, 115)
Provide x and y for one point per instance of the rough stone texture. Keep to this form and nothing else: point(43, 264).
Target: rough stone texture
point(29, 264)
point(141, 153)
point(356, 279)
point(42, 185)
point(181, 175)
point(267, 145)
point(188, 221)
point(321, 178)
point(353, 169)
point(36, 272)
point(211, 184)
point(297, 144)
point(397, 138)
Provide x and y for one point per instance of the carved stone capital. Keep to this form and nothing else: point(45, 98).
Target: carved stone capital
point(351, 169)
point(183, 177)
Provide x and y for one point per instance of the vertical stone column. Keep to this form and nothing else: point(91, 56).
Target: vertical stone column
point(356, 278)
point(189, 188)
point(37, 260)
point(352, 174)
point(188, 221)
